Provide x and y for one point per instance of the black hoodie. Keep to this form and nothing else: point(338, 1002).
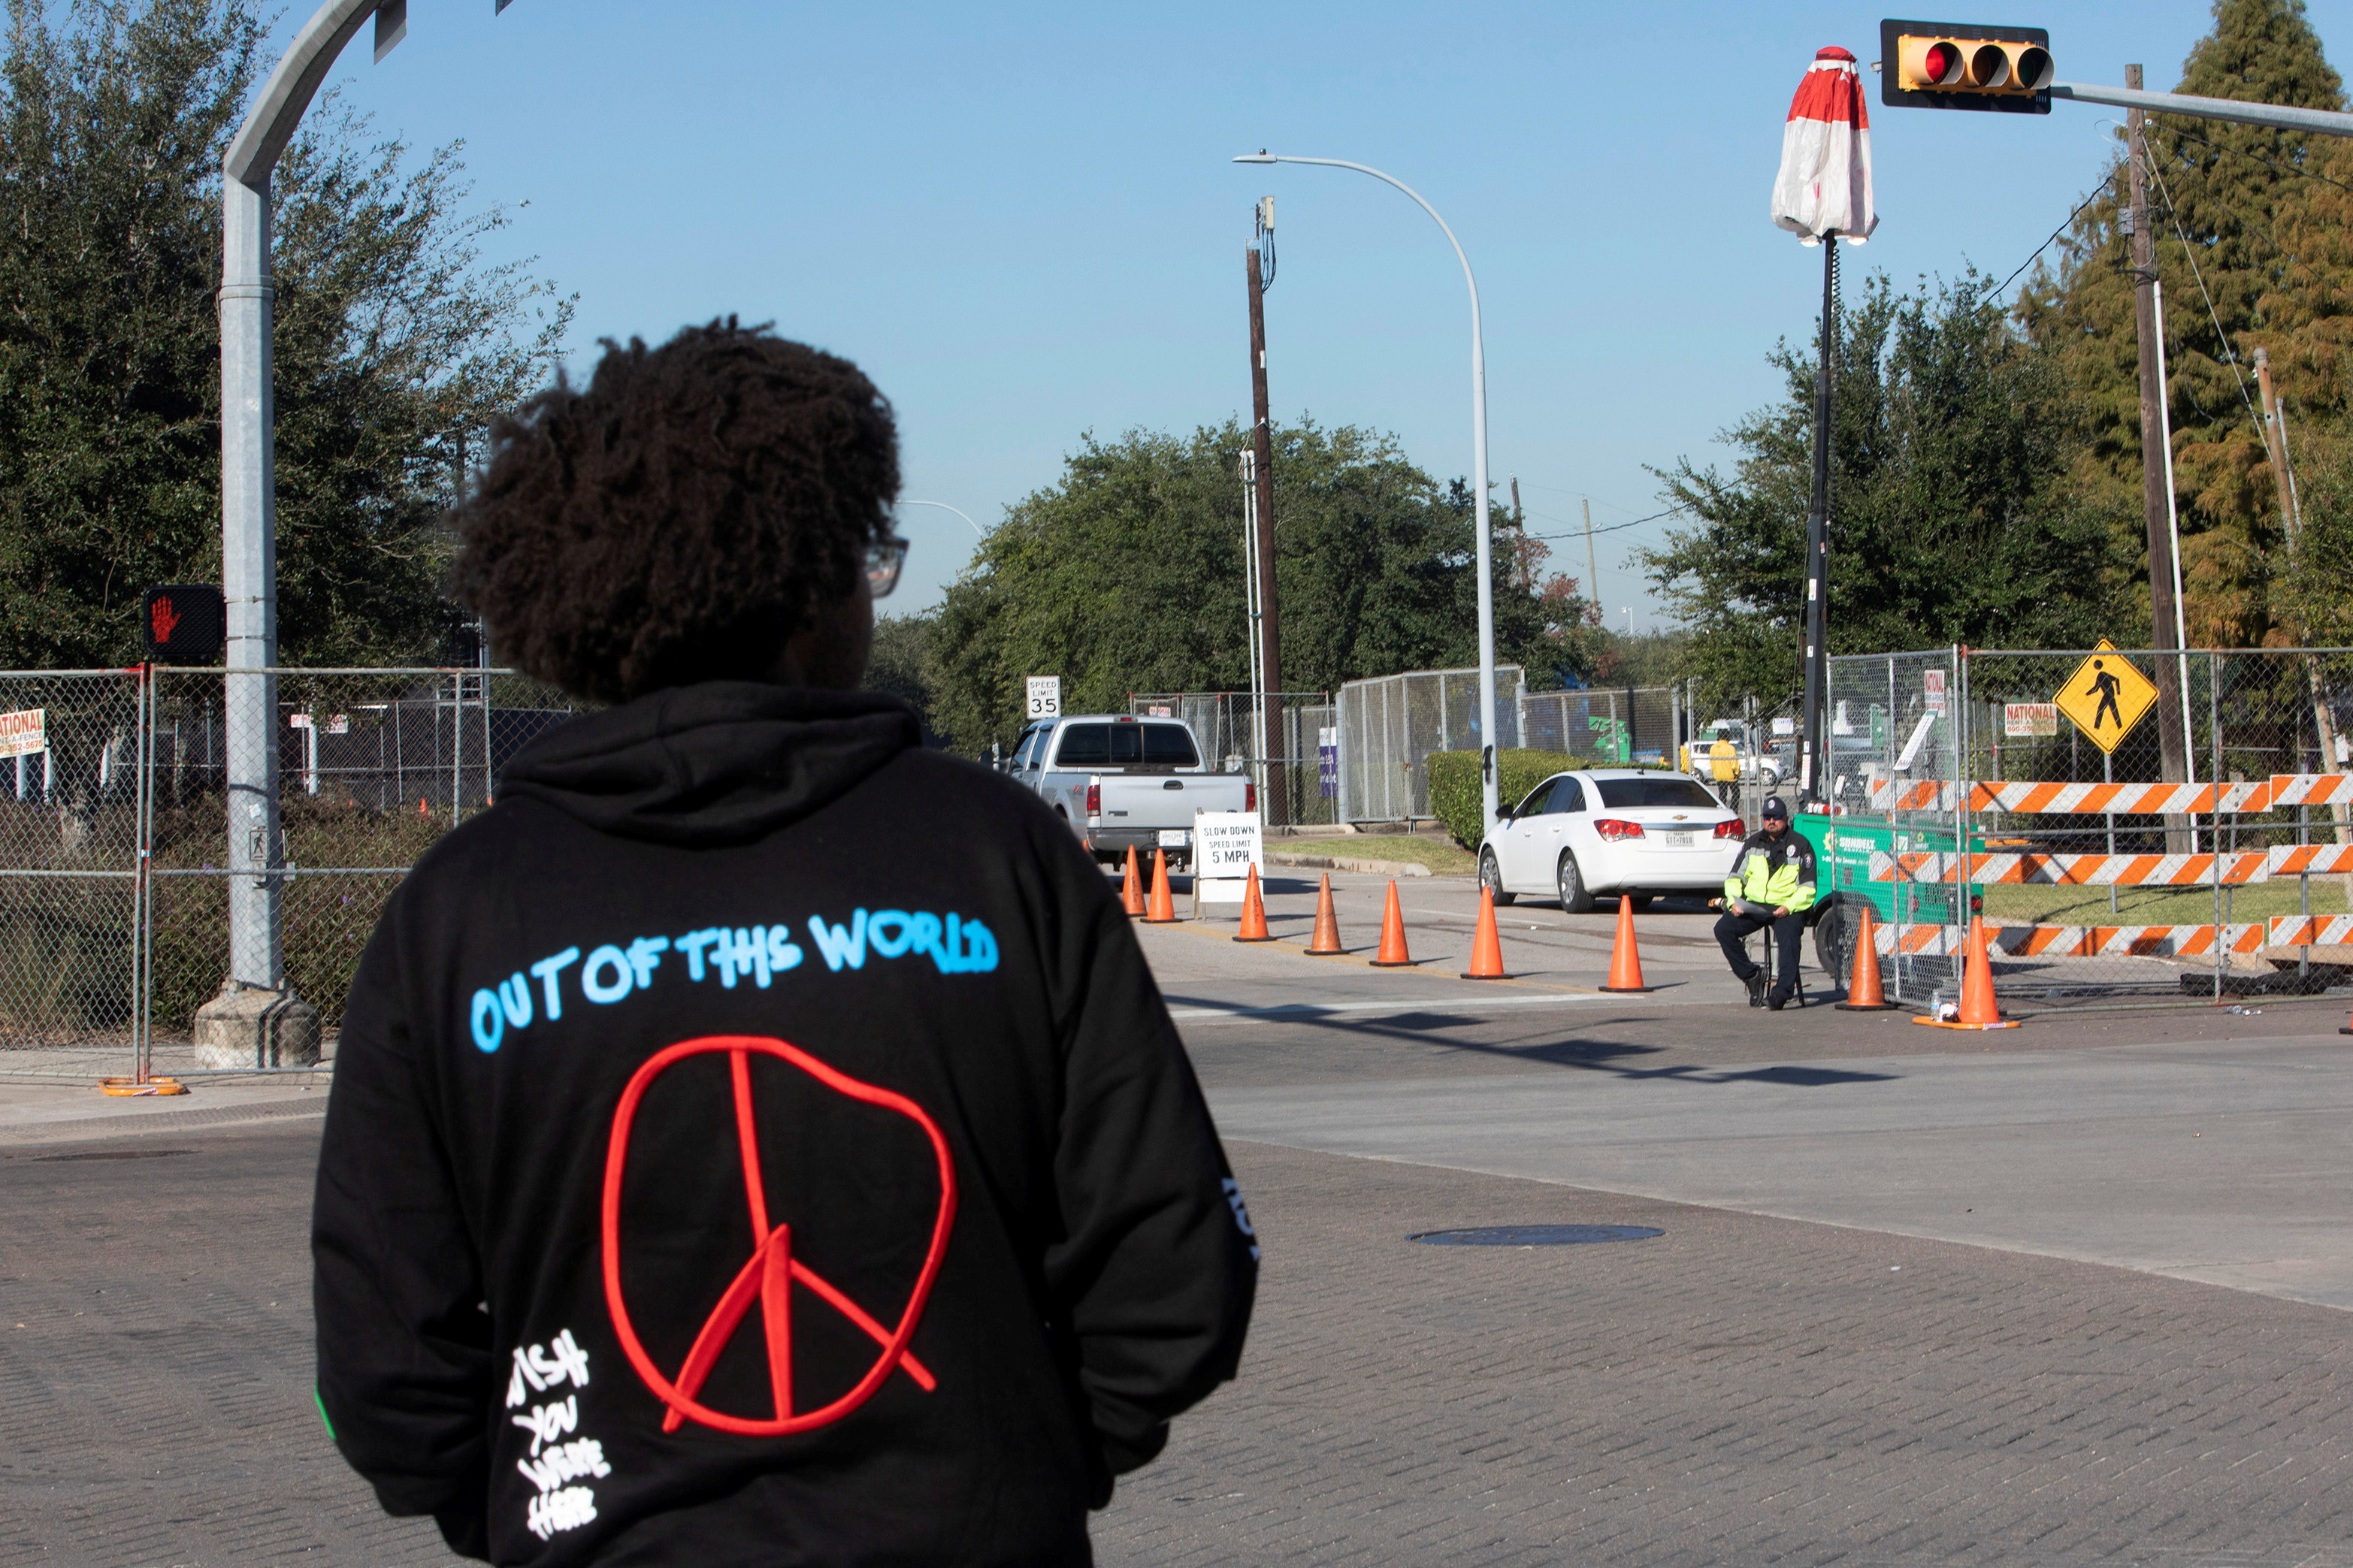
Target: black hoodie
point(759, 1140)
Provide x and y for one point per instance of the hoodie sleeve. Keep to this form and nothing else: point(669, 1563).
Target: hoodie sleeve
point(404, 1343)
point(1157, 1264)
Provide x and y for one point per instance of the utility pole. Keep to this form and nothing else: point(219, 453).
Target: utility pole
point(1520, 522)
point(2324, 722)
point(2155, 500)
point(1592, 573)
point(1273, 806)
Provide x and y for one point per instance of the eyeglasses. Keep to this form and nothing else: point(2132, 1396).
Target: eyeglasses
point(884, 558)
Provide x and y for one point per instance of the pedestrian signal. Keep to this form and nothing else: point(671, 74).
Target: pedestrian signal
point(1966, 65)
point(185, 623)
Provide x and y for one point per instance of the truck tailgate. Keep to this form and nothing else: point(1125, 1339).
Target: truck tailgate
point(1164, 800)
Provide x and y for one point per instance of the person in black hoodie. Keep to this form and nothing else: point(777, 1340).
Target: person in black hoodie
point(755, 1139)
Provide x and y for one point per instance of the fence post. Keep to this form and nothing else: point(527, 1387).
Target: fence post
point(143, 897)
point(2214, 817)
point(1957, 722)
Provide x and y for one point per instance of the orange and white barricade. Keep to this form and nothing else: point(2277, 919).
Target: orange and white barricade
point(2082, 942)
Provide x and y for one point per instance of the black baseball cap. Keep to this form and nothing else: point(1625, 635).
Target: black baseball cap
point(1774, 806)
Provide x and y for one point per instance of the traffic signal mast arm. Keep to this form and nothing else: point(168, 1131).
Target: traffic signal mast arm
point(2327, 122)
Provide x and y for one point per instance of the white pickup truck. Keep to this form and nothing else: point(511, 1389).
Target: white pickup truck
point(1125, 783)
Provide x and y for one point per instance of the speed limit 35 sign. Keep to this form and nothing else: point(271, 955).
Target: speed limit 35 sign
point(1045, 697)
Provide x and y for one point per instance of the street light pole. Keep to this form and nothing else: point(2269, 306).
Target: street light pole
point(944, 507)
point(1477, 478)
point(256, 1020)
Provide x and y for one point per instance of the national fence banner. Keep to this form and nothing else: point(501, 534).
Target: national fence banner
point(1824, 183)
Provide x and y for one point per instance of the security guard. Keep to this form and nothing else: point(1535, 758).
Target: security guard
point(1772, 883)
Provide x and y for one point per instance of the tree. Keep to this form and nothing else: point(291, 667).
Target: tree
point(899, 662)
point(1126, 577)
point(1950, 518)
point(393, 344)
point(2230, 205)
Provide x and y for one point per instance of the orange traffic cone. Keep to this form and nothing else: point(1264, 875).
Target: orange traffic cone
point(1254, 913)
point(420, 808)
point(1978, 1010)
point(1625, 958)
point(1863, 994)
point(1163, 910)
point(1393, 954)
point(1130, 887)
point(1486, 942)
point(1325, 942)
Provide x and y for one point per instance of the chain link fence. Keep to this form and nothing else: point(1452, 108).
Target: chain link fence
point(114, 770)
point(1626, 727)
point(1390, 724)
point(72, 750)
point(1296, 769)
point(2157, 863)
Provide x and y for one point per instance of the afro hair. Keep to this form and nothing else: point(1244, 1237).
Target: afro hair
point(682, 518)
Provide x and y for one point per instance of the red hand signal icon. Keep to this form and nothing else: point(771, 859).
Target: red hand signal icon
point(772, 1272)
point(163, 617)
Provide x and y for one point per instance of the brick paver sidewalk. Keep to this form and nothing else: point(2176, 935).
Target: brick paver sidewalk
point(1740, 1390)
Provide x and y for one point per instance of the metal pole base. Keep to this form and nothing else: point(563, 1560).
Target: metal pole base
point(251, 1026)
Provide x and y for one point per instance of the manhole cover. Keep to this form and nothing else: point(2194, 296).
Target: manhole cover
point(1536, 1234)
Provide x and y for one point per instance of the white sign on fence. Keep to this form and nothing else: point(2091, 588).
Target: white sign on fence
point(1932, 688)
point(1226, 845)
point(24, 732)
point(298, 721)
point(2029, 719)
point(1045, 697)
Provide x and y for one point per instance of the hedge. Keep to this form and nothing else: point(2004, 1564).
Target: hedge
point(1455, 785)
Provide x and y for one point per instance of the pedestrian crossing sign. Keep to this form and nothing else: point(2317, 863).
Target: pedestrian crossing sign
point(2106, 696)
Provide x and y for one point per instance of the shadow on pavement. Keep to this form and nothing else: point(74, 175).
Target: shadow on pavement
point(1423, 1029)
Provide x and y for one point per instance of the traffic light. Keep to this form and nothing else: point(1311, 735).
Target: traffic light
point(185, 623)
point(1966, 65)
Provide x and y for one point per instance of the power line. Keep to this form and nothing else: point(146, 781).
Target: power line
point(2267, 163)
point(2004, 286)
point(2229, 354)
point(1614, 527)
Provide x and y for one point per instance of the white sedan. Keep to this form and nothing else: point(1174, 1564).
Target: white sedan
point(1609, 831)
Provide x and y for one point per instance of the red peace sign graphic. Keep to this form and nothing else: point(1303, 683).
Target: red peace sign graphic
point(772, 1269)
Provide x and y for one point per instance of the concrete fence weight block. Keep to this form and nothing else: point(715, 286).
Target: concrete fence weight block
point(252, 1027)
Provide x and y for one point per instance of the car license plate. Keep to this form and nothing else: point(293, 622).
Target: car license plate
point(1678, 840)
point(1179, 837)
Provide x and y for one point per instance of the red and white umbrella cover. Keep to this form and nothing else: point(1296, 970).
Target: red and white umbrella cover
point(1824, 186)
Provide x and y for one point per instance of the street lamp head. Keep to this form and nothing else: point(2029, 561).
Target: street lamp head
point(1261, 156)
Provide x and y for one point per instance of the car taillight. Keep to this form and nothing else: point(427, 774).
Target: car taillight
point(1615, 827)
point(1095, 800)
point(1729, 828)
point(1249, 797)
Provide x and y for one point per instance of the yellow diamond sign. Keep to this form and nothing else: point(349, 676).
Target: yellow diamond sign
point(2106, 696)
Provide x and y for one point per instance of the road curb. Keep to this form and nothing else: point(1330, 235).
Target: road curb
point(89, 1129)
point(1349, 863)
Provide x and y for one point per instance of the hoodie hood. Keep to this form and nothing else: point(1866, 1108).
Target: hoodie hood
point(725, 761)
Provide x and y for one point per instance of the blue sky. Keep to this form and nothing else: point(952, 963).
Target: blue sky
point(1024, 224)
